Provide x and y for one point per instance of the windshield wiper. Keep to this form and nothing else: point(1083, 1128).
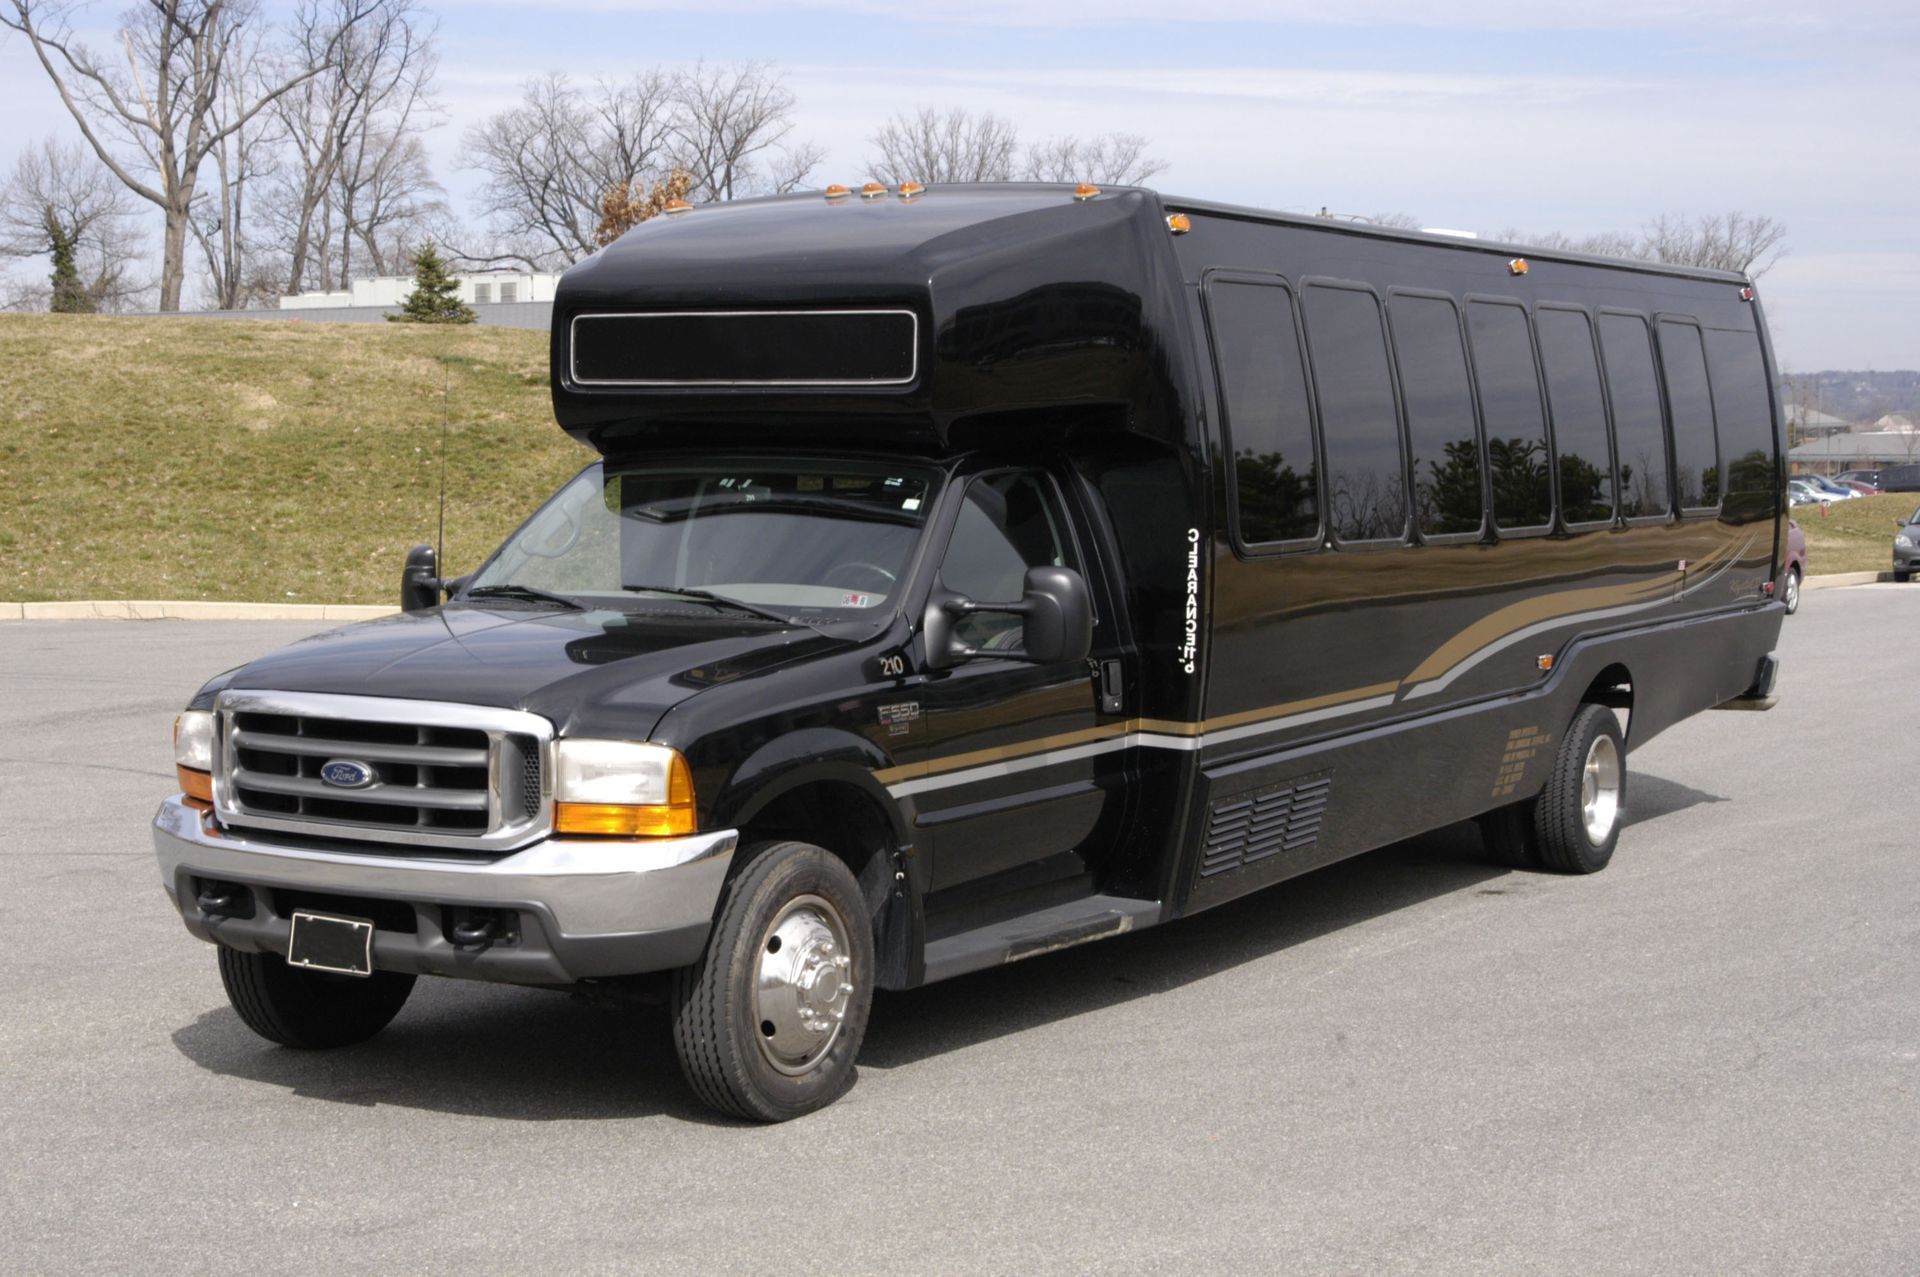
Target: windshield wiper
point(530, 593)
point(708, 596)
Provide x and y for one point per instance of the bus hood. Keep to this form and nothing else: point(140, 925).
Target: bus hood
point(599, 673)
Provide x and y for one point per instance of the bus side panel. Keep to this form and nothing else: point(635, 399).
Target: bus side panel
point(1262, 817)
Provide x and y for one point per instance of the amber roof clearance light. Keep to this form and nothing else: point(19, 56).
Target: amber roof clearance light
point(837, 192)
point(1179, 223)
point(872, 191)
point(910, 189)
point(1085, 191)
point(1517, 266)
point(675, 206)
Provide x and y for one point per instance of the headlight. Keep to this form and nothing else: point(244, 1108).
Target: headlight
point(1904, 541)
point(193, 740)
point(193, 754)
point(621, 788)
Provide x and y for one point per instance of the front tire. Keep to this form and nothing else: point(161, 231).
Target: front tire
point(310, 1010)
point(768, 1023)
point(1793, 591)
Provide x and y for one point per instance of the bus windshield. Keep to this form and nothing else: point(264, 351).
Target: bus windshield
point(783, 540)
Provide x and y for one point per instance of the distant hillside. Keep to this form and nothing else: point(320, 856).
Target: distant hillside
point(260, 461)
point(1853, 396)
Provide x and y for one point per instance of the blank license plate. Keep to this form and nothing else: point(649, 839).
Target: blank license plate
point(323, 942)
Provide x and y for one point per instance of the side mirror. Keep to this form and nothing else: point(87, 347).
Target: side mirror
point(1055, 611)
point(420, 583)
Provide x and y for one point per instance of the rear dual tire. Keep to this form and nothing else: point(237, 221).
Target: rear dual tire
point(1573, 824)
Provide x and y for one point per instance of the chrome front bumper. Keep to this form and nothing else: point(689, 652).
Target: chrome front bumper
point(587, 908)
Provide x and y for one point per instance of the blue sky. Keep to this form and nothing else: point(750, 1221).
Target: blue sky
point(1481, 115)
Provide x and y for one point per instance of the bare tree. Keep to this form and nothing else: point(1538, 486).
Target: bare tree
point(241, 155)
point(1719, 241)
point(1736, 241)
point(730, 126)
point(374, 85)
point(1112, 159)
point(60, 201)
point(952, 146)
point(548, 160)
point(180, 63)
point(390, 203)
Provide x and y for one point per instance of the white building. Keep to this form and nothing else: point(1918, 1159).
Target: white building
point(480, 288)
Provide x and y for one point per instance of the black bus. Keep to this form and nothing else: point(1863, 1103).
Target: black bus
point(972, 572)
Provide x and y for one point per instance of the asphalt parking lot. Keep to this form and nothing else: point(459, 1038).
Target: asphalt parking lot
point(1705, 1059)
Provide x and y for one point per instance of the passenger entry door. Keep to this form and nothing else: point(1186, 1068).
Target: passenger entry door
point(1022, 774)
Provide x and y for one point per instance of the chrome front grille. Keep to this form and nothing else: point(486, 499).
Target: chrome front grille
point(427, 773)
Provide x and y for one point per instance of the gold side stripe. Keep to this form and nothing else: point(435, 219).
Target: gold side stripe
point(1481, 634)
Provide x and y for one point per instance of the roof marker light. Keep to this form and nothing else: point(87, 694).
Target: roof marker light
point(1179, 223)
point(872, 191)
point(1517, 266)
point(910, 189)
point(836, 192)
point(1746, 294)
point(1085, 191)
point(675, 206)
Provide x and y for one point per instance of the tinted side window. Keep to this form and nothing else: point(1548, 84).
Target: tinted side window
point(1510, 405)
point(1009, 523)
point(1366, 488)
point(1579, 415)
point(1745, 415)
point(1265, 392)
point(1439, 402)
point(1639, 433)
point(1696, 461)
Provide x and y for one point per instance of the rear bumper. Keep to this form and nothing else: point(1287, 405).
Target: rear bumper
point(586, 908)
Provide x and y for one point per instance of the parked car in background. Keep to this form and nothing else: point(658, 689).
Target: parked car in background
point(1869, 477)
point(1796, 566)
point(1800, 492)
point(1827, 489)
point(1900, 479)
point(1864, 489)
point(1906, 548)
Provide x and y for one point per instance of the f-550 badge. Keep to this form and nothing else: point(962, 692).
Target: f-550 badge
point(899, 718)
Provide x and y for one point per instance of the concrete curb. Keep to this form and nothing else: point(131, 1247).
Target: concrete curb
point(1835, 579)
point(188, 610)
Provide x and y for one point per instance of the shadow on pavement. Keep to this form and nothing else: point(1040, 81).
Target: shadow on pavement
point(475, 1050)
point(1650, 797)
point(530, 1055)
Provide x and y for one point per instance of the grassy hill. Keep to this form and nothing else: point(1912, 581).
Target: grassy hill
point(260, 460)
point(1853, 536)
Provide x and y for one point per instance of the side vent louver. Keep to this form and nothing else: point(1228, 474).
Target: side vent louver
point(1252, 827)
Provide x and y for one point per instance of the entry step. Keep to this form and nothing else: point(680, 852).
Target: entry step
point(1059, 927)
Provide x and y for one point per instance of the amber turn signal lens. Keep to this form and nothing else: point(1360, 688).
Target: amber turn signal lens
point(1179, 223)
point(1085, 191)
point(610, 820)
point(194, 784)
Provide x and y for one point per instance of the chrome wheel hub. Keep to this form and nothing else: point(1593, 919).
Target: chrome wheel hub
point(803, 984)
point(1600, 789)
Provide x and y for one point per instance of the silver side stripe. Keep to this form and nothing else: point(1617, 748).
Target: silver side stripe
point(1132, 740)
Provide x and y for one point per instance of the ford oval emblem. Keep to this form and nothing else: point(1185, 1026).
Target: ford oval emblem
point(346, 773)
